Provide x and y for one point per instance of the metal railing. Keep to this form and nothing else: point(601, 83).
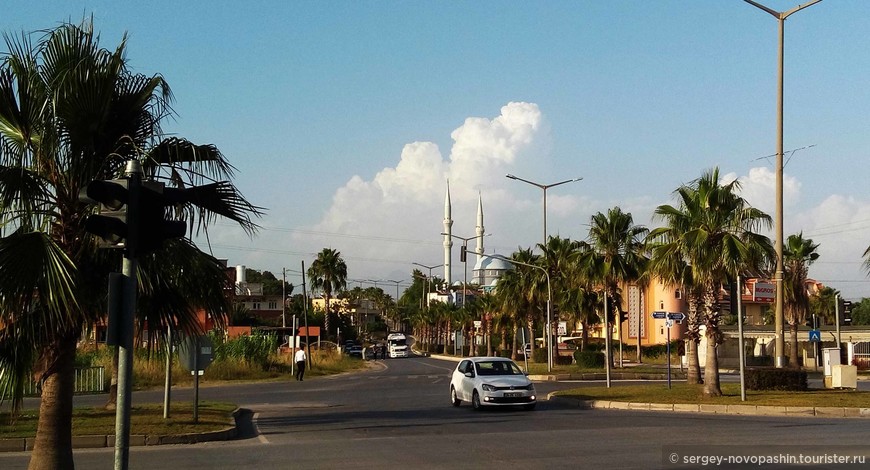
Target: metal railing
point(88, 380)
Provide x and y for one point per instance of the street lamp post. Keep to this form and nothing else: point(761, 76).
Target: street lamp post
point(465, 262)
point(544, 187)
point(549, 306)
point(428, 279)
point(397, 301)
point(778, 315)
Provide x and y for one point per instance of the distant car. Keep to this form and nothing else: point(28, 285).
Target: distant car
point(355, 351)
point(525, 349)
point(491, 381)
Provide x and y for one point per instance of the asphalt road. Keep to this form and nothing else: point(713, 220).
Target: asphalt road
point(398, 414)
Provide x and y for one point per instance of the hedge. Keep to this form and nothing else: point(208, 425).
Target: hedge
point(776, 379)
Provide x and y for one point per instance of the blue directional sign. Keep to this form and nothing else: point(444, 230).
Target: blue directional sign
point(678, 316)
point(815, 336)
point(660, 315)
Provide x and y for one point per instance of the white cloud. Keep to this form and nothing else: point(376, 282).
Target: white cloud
point(759, 189)
point(405, 204)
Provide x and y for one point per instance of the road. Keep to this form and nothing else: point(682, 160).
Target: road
point(398, 414)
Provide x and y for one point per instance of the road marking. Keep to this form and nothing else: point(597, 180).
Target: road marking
point(260, 437)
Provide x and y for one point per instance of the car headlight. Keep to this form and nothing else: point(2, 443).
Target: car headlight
point(488, 388)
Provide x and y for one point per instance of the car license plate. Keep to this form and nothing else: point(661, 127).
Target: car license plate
point(512, 395)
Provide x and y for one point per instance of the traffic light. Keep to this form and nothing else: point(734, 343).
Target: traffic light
point(132, 216)
point(154, 229)
point(847, 312)
point(111, 223)
point(463, 254)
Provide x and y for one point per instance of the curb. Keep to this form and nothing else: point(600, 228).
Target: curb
point(747, 410)
point(22, 444)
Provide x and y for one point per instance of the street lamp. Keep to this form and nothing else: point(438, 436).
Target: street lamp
point(778, 315)
point(428, 279)
point(397, 297)
point(549, 328)
point(544, 187)
point(464, 260)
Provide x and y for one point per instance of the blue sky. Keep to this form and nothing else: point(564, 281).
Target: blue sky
point(345, 119)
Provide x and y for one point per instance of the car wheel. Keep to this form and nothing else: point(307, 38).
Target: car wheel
point(529, 407)
point(475, 401)
point(453, 398)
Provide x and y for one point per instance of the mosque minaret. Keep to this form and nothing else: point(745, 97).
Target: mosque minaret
point(479, 231)
point(448, 239)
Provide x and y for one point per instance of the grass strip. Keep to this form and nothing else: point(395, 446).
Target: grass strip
point(693, 394)
point(145, 419)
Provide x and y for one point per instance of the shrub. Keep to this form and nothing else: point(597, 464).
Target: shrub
point(659, 350)
point(540, 355)
point(589, 359)
point(563, 360)
point(776, 379)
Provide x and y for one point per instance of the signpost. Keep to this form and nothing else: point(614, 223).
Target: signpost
point(195, 353)
point(669, 318)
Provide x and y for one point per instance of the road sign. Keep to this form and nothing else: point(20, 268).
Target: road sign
point(815, 336)
point(678, 316)
point(660, 315)
point(669, 323)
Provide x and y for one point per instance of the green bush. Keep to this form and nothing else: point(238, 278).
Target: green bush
point(776, 379)
point(589, 359)
point(540, 355)
point(659, 350)
point(563, 360)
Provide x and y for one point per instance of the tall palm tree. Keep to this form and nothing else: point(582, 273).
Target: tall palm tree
point(559, 259)
point(72, 112)
point(715, 231)
point(614, 254)
point(328, 273)
point(798, 254)
point(668, 264)
point(488, 309)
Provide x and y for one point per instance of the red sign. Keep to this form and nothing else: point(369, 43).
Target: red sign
point(764, 292)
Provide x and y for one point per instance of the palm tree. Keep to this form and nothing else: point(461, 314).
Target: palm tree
point(328, 273)
point(614, 254)
point(559, 259)
point(488, 307)
point(668, 263)
point(798, 254)
point(714, 230)
point(72, 112)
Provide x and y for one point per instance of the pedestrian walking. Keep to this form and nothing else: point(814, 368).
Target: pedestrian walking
point(300, 358)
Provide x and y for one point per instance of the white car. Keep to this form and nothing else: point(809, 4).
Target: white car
point(491, 381)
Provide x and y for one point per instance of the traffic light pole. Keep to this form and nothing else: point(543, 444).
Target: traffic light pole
point(125, 329)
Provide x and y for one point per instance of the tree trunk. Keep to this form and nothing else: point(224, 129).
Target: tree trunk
point(711, 369)
point(584, 336)
point(531, 326)
point(514, 346)
point(793, 346)
point(326, 318)
point(714, 337)
point(112, 399)
point(693, 366)
point(52, 448)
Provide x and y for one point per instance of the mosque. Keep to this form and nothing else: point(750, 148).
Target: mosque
point(485, 271)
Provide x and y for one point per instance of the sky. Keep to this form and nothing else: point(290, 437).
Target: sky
point(346, 119)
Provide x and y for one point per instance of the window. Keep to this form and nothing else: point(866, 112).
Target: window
point(273, 305)
point(678, 294)
point(256, 306)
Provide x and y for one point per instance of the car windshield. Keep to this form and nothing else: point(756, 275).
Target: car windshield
point(497, 368)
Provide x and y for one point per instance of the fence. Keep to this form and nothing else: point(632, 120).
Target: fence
point(88, 380)
point(861, 355)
